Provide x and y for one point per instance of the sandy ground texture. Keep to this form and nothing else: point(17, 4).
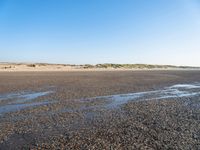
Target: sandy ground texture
point(42, 67)
point(10, 67)
point(100, 110)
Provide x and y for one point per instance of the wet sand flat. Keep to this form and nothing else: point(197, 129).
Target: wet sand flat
point(158, 109)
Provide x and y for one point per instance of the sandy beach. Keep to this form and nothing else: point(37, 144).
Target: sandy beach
point(100, 110)
point(42, 67)
point(99, 75)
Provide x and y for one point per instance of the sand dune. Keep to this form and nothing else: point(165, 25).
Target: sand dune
point(6, 67)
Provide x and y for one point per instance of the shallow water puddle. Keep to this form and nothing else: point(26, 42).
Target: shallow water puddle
point(17, 101)
point(29, 97)
point(115, 101)
point(175, 91)
point(16, 107)
point(24, 95)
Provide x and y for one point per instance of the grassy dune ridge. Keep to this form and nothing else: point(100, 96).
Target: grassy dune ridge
point(68, 67)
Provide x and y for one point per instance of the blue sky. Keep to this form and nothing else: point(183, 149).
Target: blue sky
point(100, 31)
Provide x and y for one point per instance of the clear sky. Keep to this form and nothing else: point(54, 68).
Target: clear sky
point(100, 31)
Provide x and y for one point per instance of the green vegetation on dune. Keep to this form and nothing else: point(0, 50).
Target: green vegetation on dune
point(135, 66)
point(99, 66)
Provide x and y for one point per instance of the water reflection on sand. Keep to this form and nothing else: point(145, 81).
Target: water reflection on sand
point(16, 101)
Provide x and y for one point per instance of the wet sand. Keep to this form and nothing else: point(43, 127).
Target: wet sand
point(100, 110)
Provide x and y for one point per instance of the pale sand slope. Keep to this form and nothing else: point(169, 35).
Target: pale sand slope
point(12, 67)
point(29, 67)
point(24, 67)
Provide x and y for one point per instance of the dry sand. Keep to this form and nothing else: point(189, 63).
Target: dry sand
point(36, 67)
point(14, 67)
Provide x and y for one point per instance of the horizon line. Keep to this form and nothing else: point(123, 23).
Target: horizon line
point(82, 64)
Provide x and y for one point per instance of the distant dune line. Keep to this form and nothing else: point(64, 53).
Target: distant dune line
point(86, 67)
